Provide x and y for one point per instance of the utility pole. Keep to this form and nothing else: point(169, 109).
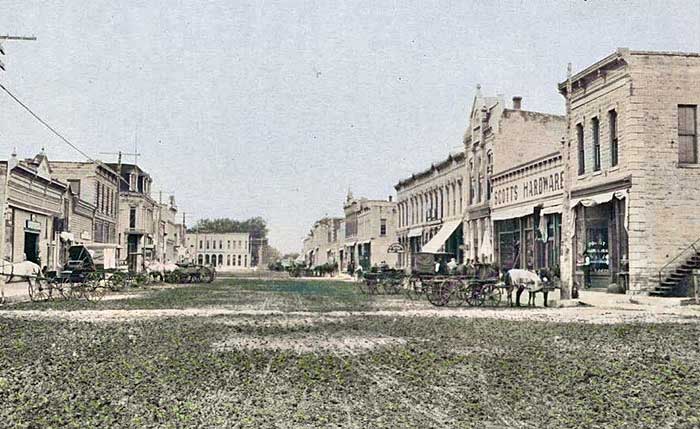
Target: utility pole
point(6, 180)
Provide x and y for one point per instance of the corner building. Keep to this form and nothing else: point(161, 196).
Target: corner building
point(633, 173)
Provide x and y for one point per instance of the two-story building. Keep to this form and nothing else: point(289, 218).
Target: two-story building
point(323, 244)
point(94, 188)
point(225, 251)
point(370, 230)
point(633, 170)
point(430, 206)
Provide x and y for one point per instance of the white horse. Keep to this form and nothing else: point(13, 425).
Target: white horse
point(26, 271)
point(521, 280)
point(157, 269)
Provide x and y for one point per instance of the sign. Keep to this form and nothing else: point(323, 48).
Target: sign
point(528, 188)
point(33, 225)
point(395, 248)
point(85, 235)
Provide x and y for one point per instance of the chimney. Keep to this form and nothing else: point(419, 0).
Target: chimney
point(517, 102)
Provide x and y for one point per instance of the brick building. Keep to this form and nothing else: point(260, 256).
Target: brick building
point(430, 207)
point(324, 243)
point(633, 174)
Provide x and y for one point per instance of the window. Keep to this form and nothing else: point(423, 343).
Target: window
point(229, 245)
point(206, 259)
point(581, 150)
point(687, 134)
point(459, 187)
point(228, 260)
point(595, 130)
point(221, 244)
point(245, 260)
point(471, 182)
point(201, 244)
point(74, 186)
point(382, 227)
point(207, 244)
point(132, 217)
point(239, 260)
point(612, 119)
point(221, 259)
point(200, 259)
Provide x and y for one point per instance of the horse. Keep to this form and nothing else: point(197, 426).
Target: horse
point(524, 279)
point(18, 272)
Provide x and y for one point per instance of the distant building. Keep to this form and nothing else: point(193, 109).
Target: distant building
point(430, 210)
point(370, 229)
point(224, 251)
point(171, 236)
point(323, 244)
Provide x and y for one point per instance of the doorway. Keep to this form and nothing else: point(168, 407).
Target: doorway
point(31, 247)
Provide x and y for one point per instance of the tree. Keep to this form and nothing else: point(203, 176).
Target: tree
point(255, 226)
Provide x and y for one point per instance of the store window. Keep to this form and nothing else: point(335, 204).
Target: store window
point(508, 233)
point(528, 249)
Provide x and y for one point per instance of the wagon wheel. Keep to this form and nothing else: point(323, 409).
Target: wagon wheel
point(409, 288)
point(94, 287)
point(474, 295)
point(493, 295)
point(38, 289)
point(457, 289)
point(439, 293)
point(210, 275)
point(117, 281)
point(363, 287)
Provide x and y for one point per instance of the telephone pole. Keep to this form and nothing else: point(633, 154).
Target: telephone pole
point(5, 183)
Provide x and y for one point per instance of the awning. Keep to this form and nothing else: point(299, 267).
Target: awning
point(435, 243)
point(512, 213)
point(553, 209)
point(363, 242)
point(415, 232)
point(486, 248)
point(350, 243)
point(605, 197)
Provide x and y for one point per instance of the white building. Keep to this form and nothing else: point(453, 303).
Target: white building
point(225, 251)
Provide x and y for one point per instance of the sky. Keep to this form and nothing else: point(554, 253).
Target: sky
point(277, 109)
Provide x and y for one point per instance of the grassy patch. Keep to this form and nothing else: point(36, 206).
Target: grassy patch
point(443, 372)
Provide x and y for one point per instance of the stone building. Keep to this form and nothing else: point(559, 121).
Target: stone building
point(170, 235)
point(138, 228)
point(224, 251)
point(633, 172)
point(498, 139)
point(323, 243)
point(430, 207)
point(94, 188)
point(370, 229)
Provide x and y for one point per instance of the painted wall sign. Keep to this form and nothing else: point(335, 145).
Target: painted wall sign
point(528, 188)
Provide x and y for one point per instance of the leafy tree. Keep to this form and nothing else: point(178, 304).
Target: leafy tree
point(255, 226)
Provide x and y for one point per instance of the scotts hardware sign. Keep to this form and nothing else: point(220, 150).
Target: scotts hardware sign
point(528, 188)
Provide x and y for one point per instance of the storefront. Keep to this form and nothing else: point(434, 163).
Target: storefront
point(526, 215)
point(600, 238)
point(448, 239)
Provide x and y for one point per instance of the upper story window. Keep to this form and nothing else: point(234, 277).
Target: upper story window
point(687, 134)
point(229, 244)
point(471, 182)
point(382, 227)
point(201, 244)
point(581, 150)
point(595, 130)
point(132, 217)
point(612, 121)
point(221, 244)
point(207, 244)
point(74, 185)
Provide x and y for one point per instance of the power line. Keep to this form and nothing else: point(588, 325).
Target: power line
point(45, 123)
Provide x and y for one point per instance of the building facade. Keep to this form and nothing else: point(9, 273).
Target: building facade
point(224, 251)
point(34, 213)
point(370, 229)
point(633, 171)
point(430, 205)
point(323, 245)
point(94, 187)
point(138, 227)
point(499, 139)
point(526, 210)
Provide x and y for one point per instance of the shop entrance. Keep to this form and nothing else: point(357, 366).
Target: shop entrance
point(31, 247)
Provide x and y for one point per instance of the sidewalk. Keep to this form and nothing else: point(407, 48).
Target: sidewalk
point(612, 300)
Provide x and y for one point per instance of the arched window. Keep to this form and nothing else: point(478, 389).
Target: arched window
point(200, 259)
point(206, 259)
point(472, 183)
point(228, 260)
point(239, 260)
point(213, 260)
point(489, 171)
point(221, 259)
point(447, 200)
